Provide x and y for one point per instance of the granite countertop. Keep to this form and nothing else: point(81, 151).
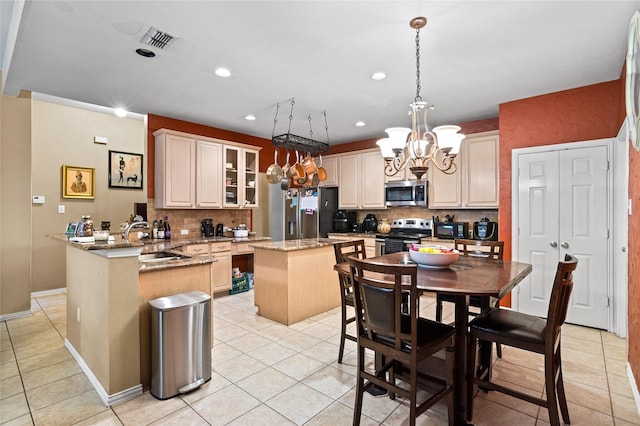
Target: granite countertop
point(353, 234)
point(293, 245)
point(116, 243)
point(175, 263)
point(151, 246)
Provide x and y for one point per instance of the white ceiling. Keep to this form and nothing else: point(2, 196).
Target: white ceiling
point(475, 55)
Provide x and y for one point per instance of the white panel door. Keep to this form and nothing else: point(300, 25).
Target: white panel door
point(562, 208)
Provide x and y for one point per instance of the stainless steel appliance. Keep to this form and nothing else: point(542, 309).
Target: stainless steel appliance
point(450, 230)
point(370, 223)
point(405, 193)
point(485, 230)
point(404, 232)
point(207, 228)
point(220, 230)
point(344, 221)
point(301, 213)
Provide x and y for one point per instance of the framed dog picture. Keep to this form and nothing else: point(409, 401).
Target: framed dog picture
point(78, 182)
point(125, 170)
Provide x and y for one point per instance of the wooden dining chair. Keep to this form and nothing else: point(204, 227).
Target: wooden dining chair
point(529, 333)
point(402, 341)
point(342, 251)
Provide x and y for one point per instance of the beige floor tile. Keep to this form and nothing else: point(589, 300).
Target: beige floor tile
point(321, 331)
point(253, 322)
point(25, 420)
point(585, 333)
point(519, 375)
point(625, 408)
point(239, 367)
point(585, 374)
point(7, 355)
point(39, 347)
point(277, 332)
point(377, 408)
point(325, 352)
point(44, 359)
point(106, 418)
point(225, 405)
point(11, 386)
point(610, 339)
point(58, 390)
point(222, 352)
point(621, 422)
point(23, 340)
point(584, 358)
point(248, 342)
point(509, 401)
point(615, 352)
point(523, 358)
point(146, 409)
point(487, 413)
point(588, 396)
point(216, 383)
point(8, 369)
point(620, 385)
point(271, 353)
point(266, 384)
point(261, 416)
point(13, 407)
point(338, 414)
point(36, 326)
point(580, 416)
point(331, 382)
point(617, 367)
point(71, 410)
point(299, 403)
point(582, 345)
point(298, 366)
point(230, 332)
point(184, 416)
point(400, 417)
point(299, 341)
point(50, 374)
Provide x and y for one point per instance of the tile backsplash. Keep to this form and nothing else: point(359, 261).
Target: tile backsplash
point(420, 212)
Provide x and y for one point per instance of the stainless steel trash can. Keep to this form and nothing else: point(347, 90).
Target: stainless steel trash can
point(180, 343)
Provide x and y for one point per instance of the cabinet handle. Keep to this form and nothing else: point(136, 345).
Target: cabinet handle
point(553, 244)
point(565, 245)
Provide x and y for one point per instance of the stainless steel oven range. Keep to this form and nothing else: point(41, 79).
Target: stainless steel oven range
point(404, 232)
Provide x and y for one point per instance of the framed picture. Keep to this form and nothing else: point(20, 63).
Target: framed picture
point(78, 182)
point(125, 170)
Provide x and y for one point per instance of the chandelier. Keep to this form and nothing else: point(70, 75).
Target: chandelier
point(418, 146)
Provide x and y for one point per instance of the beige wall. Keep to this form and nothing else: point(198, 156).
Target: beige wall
point(15, 205)
point(64, 135)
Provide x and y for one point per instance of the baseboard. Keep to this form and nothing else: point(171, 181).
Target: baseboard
point(107, 399)
point(15, 315)
point(48, 292)
point(634, 386)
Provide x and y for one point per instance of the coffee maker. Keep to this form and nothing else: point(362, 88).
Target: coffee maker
point(207, 228)
point(220, 230)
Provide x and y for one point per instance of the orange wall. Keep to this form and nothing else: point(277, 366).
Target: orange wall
point(634, 265)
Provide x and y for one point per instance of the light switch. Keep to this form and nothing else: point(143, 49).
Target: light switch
point(38, 199)
point(61, 208)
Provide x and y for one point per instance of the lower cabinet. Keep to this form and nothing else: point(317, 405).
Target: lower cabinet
point(221, 270)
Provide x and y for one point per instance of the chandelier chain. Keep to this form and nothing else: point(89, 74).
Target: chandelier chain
point(275, 120)
point(326, 126)
point(418, 88)
point(310, 130)
point(293, 102)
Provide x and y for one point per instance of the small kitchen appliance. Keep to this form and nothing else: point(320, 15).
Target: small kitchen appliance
point(405, 193)
point(220, 230)
point(450, 230)
point(404, 232)
point(370, 223)
point(207, 228)
point(485, 230)
point(343, 221)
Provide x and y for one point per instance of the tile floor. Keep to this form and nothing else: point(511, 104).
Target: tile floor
point(268, 374)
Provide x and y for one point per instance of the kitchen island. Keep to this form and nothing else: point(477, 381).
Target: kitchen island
point(294, 279)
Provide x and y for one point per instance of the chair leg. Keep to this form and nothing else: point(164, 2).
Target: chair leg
point(438, 309)
point(357, 410)
point(471, 372)
point(499, 350)
point(343, 333)
point(562, 399)
point(450, 366)
point(550, 387)
point(413, 392)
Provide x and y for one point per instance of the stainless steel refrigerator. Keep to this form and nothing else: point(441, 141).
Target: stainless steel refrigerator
point(301, 213)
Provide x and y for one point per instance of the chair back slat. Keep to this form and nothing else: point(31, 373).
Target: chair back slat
point(480, 248)
point(378, 298)
point(560, 295)
point(349, 248)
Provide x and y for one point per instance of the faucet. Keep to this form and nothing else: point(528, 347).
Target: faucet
point(131, 226)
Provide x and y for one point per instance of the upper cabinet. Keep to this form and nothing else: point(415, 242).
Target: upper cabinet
point(361, 180)
point(198, 172)
point(330, 165)
point(475, 183)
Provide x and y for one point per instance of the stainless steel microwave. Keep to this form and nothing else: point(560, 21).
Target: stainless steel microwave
point(405, 193)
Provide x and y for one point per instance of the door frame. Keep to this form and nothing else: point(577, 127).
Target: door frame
point(616, 290)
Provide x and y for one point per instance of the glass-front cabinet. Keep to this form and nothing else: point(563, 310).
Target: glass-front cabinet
point(241, 173)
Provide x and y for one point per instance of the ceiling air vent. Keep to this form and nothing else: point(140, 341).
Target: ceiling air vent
point(156, 38)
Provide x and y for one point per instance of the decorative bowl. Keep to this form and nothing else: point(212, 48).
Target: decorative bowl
point(433, 257)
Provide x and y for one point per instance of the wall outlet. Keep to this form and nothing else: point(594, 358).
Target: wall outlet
point(61, 209)
point(184, 232)
point(78, 314)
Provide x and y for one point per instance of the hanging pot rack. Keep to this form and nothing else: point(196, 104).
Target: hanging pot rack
point(291, 141)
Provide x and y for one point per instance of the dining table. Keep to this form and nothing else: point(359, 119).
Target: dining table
point(468, 276)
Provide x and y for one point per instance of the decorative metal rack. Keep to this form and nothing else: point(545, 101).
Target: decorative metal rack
point(299, 143)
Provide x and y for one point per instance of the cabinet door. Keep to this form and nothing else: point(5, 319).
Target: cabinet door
point(348, 181)
point(176, 171)
point(250, 178)
point(208, 175)
point(197, 249)
point(232, 177)
point(221, 272)
point(480, 168)
point(445, 190)
point(330, 165)
point(372, 181)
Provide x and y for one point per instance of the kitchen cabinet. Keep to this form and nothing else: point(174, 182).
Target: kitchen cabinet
point(221, 269)
point(241, 173)
point(175, 170)
point(361, 180)
point(330, 165)
point(475, 183)
point(208, 177)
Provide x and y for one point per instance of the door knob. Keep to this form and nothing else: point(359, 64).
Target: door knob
point(565, 245)
point(553, 244)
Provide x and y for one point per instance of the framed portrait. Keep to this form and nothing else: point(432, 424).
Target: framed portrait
point(125, 170)
point(78, 182)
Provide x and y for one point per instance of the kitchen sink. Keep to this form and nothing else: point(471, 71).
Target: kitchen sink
point(160, 256)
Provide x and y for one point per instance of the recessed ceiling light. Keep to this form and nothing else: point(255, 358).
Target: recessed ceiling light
point(120, 112)
point(223, 72)
point(361, 123)
point(250, 117)
point(378, 76)
point(145, 52)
